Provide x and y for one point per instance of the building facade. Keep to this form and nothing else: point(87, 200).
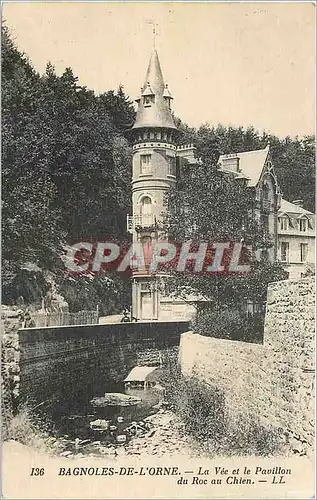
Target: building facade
point(255, 168)
point(155, 158)
point(296, 239)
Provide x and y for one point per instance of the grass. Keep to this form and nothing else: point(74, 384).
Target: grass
point(29, 428)
point(202, 409)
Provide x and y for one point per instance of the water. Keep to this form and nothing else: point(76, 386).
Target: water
point(76, 424)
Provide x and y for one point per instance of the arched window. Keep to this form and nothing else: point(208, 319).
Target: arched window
point(146, 211)
point(146, 240)
point(146, 205)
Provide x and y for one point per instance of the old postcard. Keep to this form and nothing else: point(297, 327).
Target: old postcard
point(158, 250)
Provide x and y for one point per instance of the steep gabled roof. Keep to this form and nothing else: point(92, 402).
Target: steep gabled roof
point(158, 114)
point(251, 164)
point(288, 207)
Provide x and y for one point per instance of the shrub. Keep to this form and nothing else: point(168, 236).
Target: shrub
point(246, 436)
point(30, 429)
point(230, 324)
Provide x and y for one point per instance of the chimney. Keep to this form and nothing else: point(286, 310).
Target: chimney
point(299, 203)
point(230, 162)
point(187, 152)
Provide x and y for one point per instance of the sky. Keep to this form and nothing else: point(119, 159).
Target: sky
point(229, 63)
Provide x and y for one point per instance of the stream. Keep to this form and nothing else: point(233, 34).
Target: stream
point(93, 430)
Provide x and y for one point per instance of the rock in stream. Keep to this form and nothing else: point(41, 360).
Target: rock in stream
point(115, 399)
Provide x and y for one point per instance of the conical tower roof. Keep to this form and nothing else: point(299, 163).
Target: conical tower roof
point(157, 113)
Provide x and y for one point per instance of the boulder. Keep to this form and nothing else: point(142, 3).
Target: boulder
point(99, 425)
point(115, 399)
point(122, 438)
point(65, 454)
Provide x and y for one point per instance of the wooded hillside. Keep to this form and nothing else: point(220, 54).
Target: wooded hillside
point(66, 176)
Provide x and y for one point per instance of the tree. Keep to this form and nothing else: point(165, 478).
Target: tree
point(66, 168)
point(110, 293)
point(210, 206)
point(79, 142)
point(30, 219)
point(294, 161)
point(119, 108)
point(293, 158)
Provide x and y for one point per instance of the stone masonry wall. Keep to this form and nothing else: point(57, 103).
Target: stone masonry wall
point(273, 382)
point(63, 365)
point(233, 367)
point(289, 339)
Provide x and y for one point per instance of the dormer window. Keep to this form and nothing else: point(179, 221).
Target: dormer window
point(168, 102)
point(167, 96)
point(148, 95)
point(148, 100)
point(310, 224)
point(284, 223)
point(303, 225)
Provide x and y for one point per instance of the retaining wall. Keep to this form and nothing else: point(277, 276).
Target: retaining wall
point(273, 382)
point(63, 365)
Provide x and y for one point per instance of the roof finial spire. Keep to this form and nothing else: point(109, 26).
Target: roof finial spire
point(154, 30)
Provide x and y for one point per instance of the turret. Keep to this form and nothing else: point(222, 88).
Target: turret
point(154, 106)
point(153, 173)
point(154, 152)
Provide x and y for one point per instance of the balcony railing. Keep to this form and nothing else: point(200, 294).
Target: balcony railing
point(138, 222)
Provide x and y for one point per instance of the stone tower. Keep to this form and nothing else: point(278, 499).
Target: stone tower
point(154, 172)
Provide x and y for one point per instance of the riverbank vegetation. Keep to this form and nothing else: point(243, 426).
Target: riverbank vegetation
point(27, 427)
point(202, 409)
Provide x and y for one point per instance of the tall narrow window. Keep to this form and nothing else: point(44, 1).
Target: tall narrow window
point(171, 166)
point(147, 249)
point(146, 203)
point(303, 225)
point(303, 251)
point(284, 251)
point(266, 203)
point(284, 223)
point(145, 164)
point(146, 211)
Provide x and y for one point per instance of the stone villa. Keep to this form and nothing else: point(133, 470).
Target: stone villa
point(155, 160)
point(296, 239)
